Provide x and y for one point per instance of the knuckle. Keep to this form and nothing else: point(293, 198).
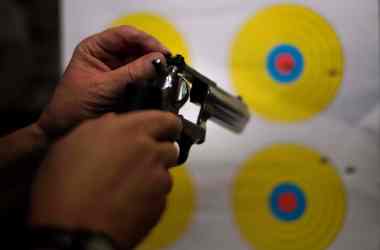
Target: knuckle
point(85, 41)
point(154, 115)
point(130, 73)
point(169, 154)
point(164, 119)
point(172, 121)
point(134, 33)
point(83, 44)
point(139, 35)
point(151, 41)
point(128, 28)
point(165, 181)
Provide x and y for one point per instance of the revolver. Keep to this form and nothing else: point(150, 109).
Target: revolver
point(176, 84)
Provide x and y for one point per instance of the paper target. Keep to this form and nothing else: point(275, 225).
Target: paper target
point(287, 62)
point(289, 197)
point(160, 28)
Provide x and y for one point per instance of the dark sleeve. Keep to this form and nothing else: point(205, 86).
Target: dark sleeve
point(58, 239)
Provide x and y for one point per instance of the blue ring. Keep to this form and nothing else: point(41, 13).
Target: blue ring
point(298, 67)
point(300, 199)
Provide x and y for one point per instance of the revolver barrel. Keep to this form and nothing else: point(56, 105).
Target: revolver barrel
point(226, 110)
point(217, 105)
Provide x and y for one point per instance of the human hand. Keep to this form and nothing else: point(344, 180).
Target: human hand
point(109, 175)
point(97, 75)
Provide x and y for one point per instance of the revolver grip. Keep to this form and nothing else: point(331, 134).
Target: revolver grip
point(144, 96)
point(191, 134)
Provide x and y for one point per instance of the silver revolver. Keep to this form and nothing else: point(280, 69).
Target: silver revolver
point(176, 84)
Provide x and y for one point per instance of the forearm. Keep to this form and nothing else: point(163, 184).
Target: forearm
point(20, 155)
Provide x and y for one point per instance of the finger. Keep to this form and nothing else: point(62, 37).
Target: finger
point(168, 154)
point(141, 69)
point(161, 126)
point(164, 126)
point(124, 40)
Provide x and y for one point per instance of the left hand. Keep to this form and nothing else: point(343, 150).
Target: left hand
point(101, 67)
point(110, 174)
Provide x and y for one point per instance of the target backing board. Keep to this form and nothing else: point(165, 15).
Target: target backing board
point(305, 175)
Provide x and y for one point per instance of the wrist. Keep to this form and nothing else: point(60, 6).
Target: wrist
point(44, 237)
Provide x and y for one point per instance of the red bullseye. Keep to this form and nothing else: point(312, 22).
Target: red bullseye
point(287, 202)
point(285, 63)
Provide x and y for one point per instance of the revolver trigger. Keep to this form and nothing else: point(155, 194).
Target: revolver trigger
point(185, 143)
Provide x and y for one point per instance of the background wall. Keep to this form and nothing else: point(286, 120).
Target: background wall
point(29, 58)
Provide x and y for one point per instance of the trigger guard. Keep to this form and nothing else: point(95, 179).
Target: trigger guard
point(191, 134)
point(185, 143)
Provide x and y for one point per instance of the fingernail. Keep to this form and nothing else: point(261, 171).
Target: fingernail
point(159, 66)
point(176, 145)
point(166, 51)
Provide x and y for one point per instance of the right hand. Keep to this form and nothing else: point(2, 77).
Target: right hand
point(99, 71)
point(110, 175)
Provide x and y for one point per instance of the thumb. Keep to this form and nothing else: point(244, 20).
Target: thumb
point(139, 70)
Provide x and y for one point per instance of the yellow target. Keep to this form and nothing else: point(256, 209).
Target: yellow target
point(289, 197)
point(159, 28)
point(287, 62)
point(181, 202)
point(178, 215)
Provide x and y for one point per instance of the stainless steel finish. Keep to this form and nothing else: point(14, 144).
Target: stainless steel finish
point(217, 105)
point(177, 83)
point(226, 110)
